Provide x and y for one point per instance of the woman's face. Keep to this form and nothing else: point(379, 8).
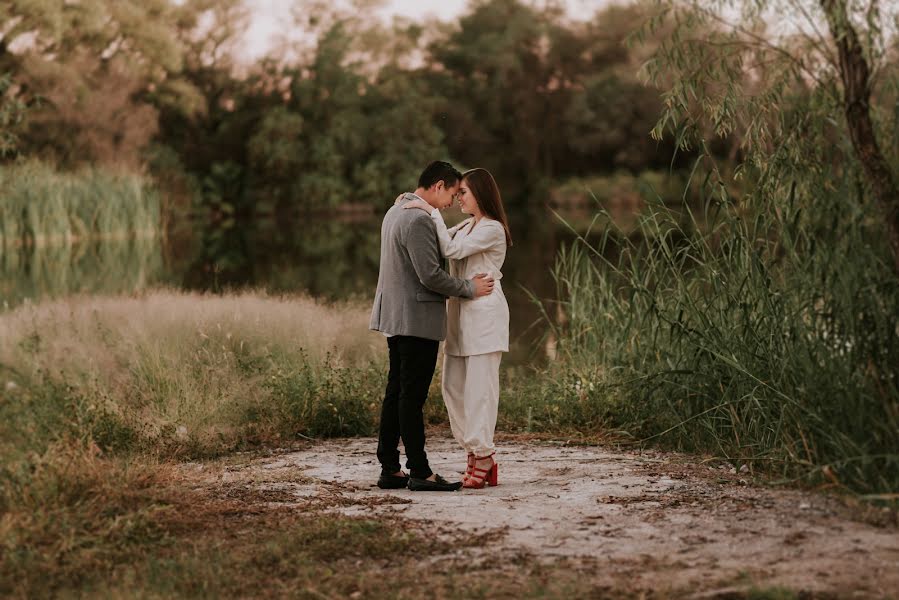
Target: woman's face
point(467, 202)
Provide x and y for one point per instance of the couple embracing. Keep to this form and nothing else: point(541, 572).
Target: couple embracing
point(418, 304)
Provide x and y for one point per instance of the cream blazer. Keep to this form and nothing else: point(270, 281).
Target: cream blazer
point(476, 325)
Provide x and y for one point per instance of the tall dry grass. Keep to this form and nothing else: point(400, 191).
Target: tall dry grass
point(99, 394)
point(186, 373)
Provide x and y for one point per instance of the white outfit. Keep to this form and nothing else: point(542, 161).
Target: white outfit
point(470, 387)
point(477, 332)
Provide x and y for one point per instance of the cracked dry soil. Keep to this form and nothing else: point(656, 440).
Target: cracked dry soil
point(659, 521)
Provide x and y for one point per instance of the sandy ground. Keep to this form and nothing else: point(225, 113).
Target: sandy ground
point(659, 520)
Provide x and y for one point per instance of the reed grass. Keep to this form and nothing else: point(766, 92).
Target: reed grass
point(41, 207)
point(769, 335)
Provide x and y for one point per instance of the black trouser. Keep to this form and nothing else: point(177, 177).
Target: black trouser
point(412, 363)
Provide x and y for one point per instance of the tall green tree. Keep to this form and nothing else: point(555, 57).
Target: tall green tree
point(537, 97)
point(858, 54)
point(498, 87)
point(346, 133)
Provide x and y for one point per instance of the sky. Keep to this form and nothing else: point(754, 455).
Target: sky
point(270, 17)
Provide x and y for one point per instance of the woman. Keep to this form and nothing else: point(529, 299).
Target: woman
point(477, 329)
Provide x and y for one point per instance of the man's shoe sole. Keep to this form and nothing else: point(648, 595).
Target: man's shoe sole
point(393, 485)
point(430, 487)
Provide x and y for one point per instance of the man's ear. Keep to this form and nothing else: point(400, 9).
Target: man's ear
point(438, 186)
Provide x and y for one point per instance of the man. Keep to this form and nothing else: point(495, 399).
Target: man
point(410, 310)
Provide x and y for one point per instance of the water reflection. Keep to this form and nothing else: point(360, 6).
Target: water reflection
point(110, 266)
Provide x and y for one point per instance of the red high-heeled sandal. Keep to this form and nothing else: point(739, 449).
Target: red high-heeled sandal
point(484, 471)
point(469, 467)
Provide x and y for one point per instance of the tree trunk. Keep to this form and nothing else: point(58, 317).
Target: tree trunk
point(856, 76)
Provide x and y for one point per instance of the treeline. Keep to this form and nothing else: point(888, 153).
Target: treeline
point(345, 116)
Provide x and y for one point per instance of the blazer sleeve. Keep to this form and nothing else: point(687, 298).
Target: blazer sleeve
point(484, 236)
point(424, 252)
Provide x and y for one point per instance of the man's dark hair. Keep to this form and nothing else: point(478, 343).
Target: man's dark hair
point(439, 171)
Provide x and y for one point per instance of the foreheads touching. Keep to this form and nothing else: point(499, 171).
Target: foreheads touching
point(439, 183)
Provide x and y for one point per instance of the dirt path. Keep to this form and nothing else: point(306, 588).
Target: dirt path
point(655, 519)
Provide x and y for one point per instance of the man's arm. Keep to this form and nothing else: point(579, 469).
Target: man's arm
point(421, 243)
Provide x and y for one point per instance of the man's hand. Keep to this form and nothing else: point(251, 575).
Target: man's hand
point(419, 203)
point(483, 285)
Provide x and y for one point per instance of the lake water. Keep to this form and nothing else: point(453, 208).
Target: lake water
point(329, 258)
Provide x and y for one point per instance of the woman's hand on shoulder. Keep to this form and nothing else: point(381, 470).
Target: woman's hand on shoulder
point(419, 203)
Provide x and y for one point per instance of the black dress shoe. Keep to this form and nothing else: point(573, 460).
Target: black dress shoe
point(393, 482)
point(426, 485)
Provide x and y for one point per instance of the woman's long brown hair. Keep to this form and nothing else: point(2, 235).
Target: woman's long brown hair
point(486, 193)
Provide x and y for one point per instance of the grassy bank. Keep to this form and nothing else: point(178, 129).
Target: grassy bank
point(40, 206)
point(770, 335)
point(94, 526)
point(101, 396)
point(98, 395)
point(182, 374)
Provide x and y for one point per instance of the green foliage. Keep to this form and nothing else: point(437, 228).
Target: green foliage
point(323, 400)
point(356, 115)
point(89, 63)
point(555, 402)
point(532, 97)
point(349, 118)
point(779, 96)
point(12, 117)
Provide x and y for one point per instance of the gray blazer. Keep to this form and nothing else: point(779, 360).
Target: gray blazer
point(412, 285)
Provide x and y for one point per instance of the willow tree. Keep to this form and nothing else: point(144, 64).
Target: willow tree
point(805, 86)
point(764, 329)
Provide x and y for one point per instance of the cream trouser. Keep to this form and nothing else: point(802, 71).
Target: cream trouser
point(471, 392)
